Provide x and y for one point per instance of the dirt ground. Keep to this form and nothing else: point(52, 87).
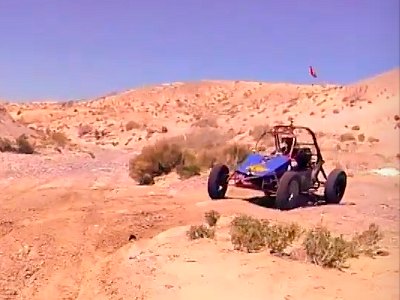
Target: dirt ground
point(74, 225)
point(95, 235)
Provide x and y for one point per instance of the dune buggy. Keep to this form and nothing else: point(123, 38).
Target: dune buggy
point(292, 168)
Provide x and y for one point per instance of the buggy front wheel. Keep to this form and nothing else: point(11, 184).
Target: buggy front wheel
point(289, 189)
point(218, 181)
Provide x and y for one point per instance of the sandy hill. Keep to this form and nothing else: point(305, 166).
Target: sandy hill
point(11, 129)
point(367, 111)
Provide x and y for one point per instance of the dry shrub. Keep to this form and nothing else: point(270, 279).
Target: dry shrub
point(234, 153)
point(280, 236)
point(326, 250)
point(248, 233)
point(132, 125)
point(23, 145)
point(346, 137)
point(355, 127)
point(6, 145)
point(84, 129)
point(59, 138)
point(251, 234)
point(258, 130)
point(355, 94)
point(200, 232)
point(212, 217)
point(372, 139)
point(206, 122)
point(155, 160)
point(361, 137)
point(187, 171)
point(321, 247)
point(367, 242)
point(186, 155)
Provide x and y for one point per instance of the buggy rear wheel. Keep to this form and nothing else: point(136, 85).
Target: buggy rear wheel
point(218, 181)
point(335, 186)
point(289, 189)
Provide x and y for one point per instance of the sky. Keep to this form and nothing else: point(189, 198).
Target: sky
point(80, 49)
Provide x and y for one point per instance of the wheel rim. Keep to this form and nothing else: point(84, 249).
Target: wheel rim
point(222, 181)
point(294, 190)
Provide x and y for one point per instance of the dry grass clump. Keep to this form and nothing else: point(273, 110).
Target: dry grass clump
point(258, 130)
point(330, 251)
point(132, 125)
point(212, 217)
point(326, 250)
point(248, 233)
point(185, 155)
point(186, 171)
point(206, 122)
point(346, 137)
point(6, 145)
point(200, 232)
point(229, 154)
point(322, 248)
point(251, 234)
point(204, 231)
point(280, 236)
point(56, 137)
point(84, 130)
point(155, 160)
point(22, 145)
point(367, 242)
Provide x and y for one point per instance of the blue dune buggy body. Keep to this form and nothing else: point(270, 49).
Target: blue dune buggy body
point(260, 172)
point(256, 164)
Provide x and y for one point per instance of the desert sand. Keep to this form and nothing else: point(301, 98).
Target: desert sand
point(74, 225)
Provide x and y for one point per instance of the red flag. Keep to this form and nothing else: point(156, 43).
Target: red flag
point(312, 72)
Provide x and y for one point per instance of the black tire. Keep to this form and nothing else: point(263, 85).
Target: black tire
point(335, 186)
point(218, 181)
point(289, 188)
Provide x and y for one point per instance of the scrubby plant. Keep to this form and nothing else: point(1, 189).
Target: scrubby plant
point(279, 236)
point(155, 160)
point(59, 138)
point(200, 232)
point(187, 171)
point(185, 155)
point(248, 233)
point(212, 217)
point(132, 125)
point(235, 153)
point(6, 145)
point(326, 250)
point(84, 129)
point(24, 146)
point(367, 241)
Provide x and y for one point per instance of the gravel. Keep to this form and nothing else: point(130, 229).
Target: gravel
point(44, 166)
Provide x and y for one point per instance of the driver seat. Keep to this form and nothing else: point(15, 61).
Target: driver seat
point(302, 156)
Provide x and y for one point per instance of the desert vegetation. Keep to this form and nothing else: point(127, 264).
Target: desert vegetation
point(205, 230)
point(187, 155)
point(321, 246)
point(20, 145)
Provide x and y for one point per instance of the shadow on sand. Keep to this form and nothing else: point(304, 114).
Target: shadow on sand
point(299, 202)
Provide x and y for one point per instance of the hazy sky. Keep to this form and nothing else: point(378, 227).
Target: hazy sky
point(68, 49)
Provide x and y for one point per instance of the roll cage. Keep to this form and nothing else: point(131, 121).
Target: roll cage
point(287, 134)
